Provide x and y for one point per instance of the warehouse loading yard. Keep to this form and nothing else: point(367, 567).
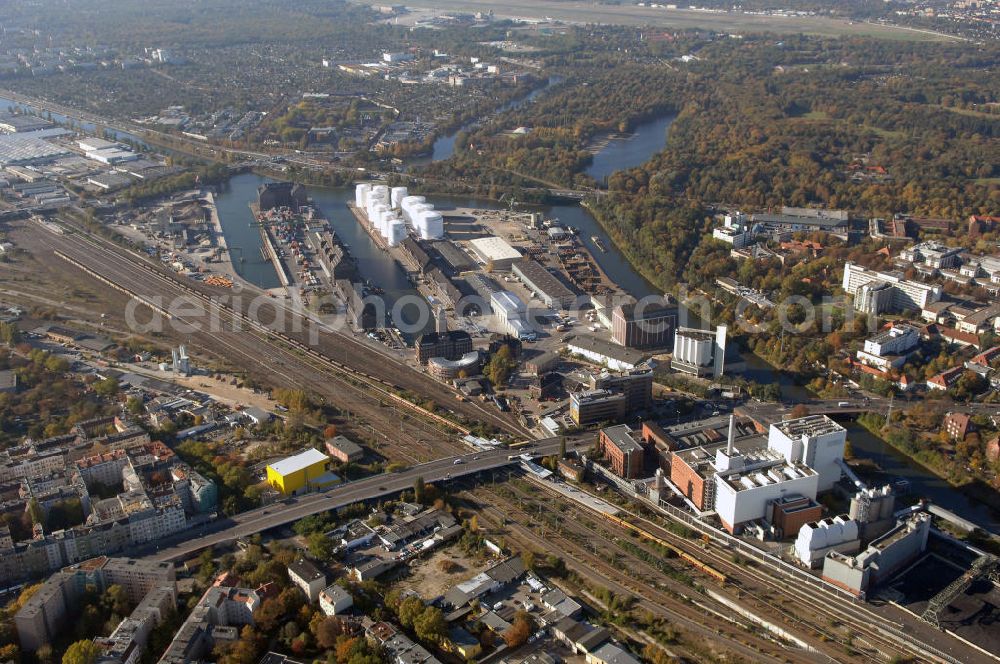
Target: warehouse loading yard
point(460, 253)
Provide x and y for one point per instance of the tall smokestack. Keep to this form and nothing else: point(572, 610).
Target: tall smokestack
point(732, 435)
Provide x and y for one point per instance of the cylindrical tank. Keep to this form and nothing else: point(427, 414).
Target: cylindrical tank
point(361, 194)
point(381, 191)
point(432, 225)
point(397, 232)
point(396, 196)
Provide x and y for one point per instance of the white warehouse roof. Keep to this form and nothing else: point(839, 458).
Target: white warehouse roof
point(298, 462)
point(494, 249)
point(511, 304)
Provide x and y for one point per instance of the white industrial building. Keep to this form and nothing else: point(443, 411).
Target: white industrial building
point(882, 559)
point(509, 312)
point(700, 352)
point(889, 348)
point(819, 538)
point(494, 251)
point(815, 441)
point(877, 292)
point(747, 485)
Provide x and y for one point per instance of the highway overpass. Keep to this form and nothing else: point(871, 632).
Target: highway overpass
point(224, 531)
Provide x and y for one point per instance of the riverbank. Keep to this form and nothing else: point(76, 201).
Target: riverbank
point(972, 488)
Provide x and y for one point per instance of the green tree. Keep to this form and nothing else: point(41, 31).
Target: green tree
point(320, 546)
point(84, 651)
point(419, 490)
point(409, 610)
point(10, 335)
point(107, 387)
point(430, 625)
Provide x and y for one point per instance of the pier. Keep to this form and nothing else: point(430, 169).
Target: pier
point(270, 251)
point(362, 218)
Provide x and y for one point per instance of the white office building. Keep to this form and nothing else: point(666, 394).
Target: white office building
point(877, 292)
point(889, 348)
point(932, 254)
point(734, 236)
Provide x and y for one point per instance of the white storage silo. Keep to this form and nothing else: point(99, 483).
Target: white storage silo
point(361, 195)
point(397, 232)
point(396, 196)
point(407, 205)
point(381, 191)
point(432, 225)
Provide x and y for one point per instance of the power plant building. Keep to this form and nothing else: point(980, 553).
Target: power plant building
point(882, 559)
point(819, 538)
point(815, 441)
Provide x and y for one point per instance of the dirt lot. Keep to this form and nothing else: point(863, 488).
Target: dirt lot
point(428, 577)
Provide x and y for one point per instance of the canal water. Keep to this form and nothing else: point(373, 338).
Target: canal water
point(634, 149)
point(89, 127)
point(444, 146)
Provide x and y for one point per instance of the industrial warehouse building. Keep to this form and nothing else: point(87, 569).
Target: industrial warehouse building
point(494, 252)
point(543, 284)
point(599, 351)
point(700, 352)
point(300, 473)
point(644, 324)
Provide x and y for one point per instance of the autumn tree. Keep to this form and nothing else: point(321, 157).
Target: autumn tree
point(519, 631)
point(84, 651)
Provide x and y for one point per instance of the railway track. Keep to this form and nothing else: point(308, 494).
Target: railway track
point(296, 370)
point(116, 268)
point(869, 629)
point(735, 634)
point(866, 626)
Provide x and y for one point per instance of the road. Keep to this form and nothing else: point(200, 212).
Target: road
point(245, 524)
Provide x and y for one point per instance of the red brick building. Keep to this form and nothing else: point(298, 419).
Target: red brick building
point(690, 471)
point(790, 513)
point(958, 425)
point(626, 456)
